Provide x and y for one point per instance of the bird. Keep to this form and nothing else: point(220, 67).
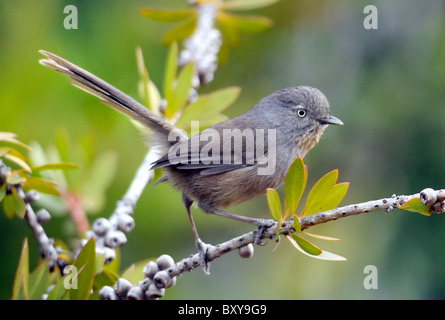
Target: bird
point(213, 172)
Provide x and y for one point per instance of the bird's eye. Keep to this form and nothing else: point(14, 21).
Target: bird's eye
point(301, 113)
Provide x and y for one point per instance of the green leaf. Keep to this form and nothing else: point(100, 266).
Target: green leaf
point(2, 191)
point(181, 91)
point(4, 151)
point(22, 274)
point(59, 291)
point(296, 225)
point(207, 108)
point(414, 205)
point(306, 248)
point(245, 24)
point(134, 272)
point(180, 32)
point(85, 264)
point(19, 204)
point(221, 99)
point(41, 185)
point(9, 206)
point(18, 161)
point(105, 278)
point(334, 197)
point(163, 15)
point(147, 89)
point(319, 192)
point(171, 67)
point(273, 200)
point(294, 185)
point(10, 138)
point(246, 4)
point(321, 237)
point(144, 79)
point(193, 112)
point(7, 135)
point(38, 281)
point(13, 179)
point(230, 34)
point(56, 166)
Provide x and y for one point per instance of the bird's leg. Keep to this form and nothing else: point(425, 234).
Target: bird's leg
point(200, 245)
point(262, 224)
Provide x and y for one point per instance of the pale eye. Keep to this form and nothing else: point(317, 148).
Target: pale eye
point(301, 113)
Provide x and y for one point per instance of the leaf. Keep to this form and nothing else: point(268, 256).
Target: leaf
point(22, 274)
point(320, 237)
point(38, 281)
point(294, 185)
point(334, 197)
point(207, 108)
point(296, 225)
point(319, 192)
point(4, 151)
point(134, 273)
point(19, 204)
point(221, 99)
point(59, 291)
point(56, 166)
point(13, 179)
point(273, 200)
point(86, 260)
point(105, 278)
point(7, 135)
point(180, 32)
point(181, 91)
point(163, 15)
point(307, 246)
point(245, 24)
point(171, 67)
point(324, 255)
point(2, 191)
point(10, 137)
point(414, 205)
point(193, 112)
point(20, 162)
point(9, 206)
point(147, 90)
point(41, 185)
point(230, 34)
point(246, 4)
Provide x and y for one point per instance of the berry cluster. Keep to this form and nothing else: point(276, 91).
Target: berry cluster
point(157, 279)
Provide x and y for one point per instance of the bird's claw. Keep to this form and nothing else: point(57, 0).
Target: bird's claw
point(203, 256)
point(263, 225)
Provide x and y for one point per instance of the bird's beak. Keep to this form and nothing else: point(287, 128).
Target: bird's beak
point(330, 120)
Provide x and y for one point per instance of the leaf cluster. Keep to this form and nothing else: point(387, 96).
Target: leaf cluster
point(231, 25)
point(177, 85)
point(22, 175)
point(325, 195)
point(82, 279)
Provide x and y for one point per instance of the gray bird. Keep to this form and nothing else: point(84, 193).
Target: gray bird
point(232, 161)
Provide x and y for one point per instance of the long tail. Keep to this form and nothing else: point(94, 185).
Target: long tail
point(110, 96)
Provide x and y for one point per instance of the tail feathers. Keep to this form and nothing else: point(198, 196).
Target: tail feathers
point(109, 95)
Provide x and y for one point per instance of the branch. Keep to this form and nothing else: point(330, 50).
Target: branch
point(154, 284)
point(34, 220)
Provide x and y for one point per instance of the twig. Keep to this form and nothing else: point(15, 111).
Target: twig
point(166, 277)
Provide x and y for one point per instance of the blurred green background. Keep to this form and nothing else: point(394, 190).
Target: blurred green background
point(387, 85)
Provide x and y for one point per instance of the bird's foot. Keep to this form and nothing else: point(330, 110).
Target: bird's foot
point(203, 256)
point(263, 225)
